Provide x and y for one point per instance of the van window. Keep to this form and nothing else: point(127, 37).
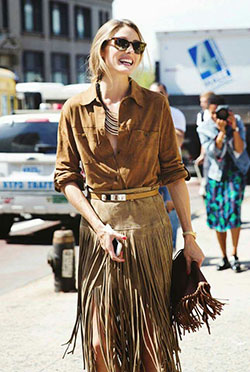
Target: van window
point(26, 137)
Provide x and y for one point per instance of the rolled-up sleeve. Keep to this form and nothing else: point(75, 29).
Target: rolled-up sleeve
point(171, 166)
point(67, 159)
point(208, 141)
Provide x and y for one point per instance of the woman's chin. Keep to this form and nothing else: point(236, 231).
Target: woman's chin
point(125, 70)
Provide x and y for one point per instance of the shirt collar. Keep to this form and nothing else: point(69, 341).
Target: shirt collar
point(90, 94)
point(136, 93)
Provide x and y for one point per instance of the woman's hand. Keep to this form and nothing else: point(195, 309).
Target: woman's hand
point(192, 252)
point(106, 235)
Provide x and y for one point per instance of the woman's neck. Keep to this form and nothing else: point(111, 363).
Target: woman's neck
point(114, 91)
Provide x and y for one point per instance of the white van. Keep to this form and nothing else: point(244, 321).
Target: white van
point(35, 95)
point(27, 161)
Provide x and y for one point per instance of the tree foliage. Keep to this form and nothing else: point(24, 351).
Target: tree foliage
point(144, 78)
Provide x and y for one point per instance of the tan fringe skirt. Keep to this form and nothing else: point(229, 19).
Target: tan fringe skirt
point(130, 295)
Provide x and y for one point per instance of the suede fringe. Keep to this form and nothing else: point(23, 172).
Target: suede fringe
point(195, 310)
point(127, 297)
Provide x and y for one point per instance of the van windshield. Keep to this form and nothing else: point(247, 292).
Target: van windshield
point(26, 137)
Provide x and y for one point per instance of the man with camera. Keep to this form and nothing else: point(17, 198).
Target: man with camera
point(224, 140)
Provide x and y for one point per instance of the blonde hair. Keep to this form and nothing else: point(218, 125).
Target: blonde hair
point(206, 94)
point(97, 65)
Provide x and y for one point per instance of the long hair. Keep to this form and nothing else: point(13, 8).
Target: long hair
point(97, 65)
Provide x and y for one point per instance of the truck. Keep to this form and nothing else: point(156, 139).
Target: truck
point(193, 62)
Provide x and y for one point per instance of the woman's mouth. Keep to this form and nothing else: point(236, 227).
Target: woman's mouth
point(126, 61)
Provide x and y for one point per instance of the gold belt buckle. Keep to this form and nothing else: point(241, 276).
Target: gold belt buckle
point(113, 197)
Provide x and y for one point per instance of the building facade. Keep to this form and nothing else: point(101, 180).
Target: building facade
point(47, 40)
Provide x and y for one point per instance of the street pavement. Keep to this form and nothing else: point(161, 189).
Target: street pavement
point(35, 320)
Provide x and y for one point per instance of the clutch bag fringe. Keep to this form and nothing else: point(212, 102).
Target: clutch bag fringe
point(191, 301)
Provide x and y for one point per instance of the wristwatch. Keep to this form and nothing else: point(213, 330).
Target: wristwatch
point(236, 129)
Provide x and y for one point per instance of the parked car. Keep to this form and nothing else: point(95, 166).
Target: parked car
point(27, 160)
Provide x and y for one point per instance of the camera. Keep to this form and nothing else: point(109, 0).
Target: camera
point(222, 112)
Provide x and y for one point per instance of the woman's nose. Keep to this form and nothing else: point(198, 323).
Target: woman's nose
point(130, 48)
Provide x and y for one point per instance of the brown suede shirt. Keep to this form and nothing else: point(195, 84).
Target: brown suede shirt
point(147, 152)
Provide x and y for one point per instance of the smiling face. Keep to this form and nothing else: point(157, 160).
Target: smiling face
point(122, 62)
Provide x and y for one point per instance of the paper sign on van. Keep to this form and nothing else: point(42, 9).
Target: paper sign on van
point(210, 64)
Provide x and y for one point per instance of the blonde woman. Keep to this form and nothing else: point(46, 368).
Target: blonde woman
point(123, 137)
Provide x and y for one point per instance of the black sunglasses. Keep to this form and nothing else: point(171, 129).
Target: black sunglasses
point(123, 44)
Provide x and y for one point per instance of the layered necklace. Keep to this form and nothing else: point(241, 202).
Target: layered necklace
point(111, 118)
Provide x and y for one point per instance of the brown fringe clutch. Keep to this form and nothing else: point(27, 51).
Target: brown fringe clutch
point(191, 302)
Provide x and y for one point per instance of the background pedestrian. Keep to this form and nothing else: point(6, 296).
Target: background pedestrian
point(179, 121)
point(224, 141)
point(203, 116)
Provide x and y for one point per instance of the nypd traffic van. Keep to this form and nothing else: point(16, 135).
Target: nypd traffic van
point(27, 161)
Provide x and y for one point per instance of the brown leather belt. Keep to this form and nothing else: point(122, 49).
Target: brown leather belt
point(123, 197)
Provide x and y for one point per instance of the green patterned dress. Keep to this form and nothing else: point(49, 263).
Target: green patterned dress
point(224, 198)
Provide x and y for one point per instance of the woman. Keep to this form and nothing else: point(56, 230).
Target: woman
point(223, 138)
point(124, 138)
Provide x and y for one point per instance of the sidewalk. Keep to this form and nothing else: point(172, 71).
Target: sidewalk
point(35, 320)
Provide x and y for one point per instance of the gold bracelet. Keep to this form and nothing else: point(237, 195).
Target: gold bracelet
point(189, 233)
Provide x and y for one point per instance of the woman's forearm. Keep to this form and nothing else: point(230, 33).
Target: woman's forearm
point(105, 233)
point(180, 196)
point(238, 142)
point(219, 139)
point(76, 197)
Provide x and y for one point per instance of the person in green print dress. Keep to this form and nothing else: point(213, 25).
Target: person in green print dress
point(225, 145)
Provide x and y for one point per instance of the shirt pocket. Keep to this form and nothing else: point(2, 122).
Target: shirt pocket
point(141, 138)
point(145, 145)
point(87, 145)
point(90, 132)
